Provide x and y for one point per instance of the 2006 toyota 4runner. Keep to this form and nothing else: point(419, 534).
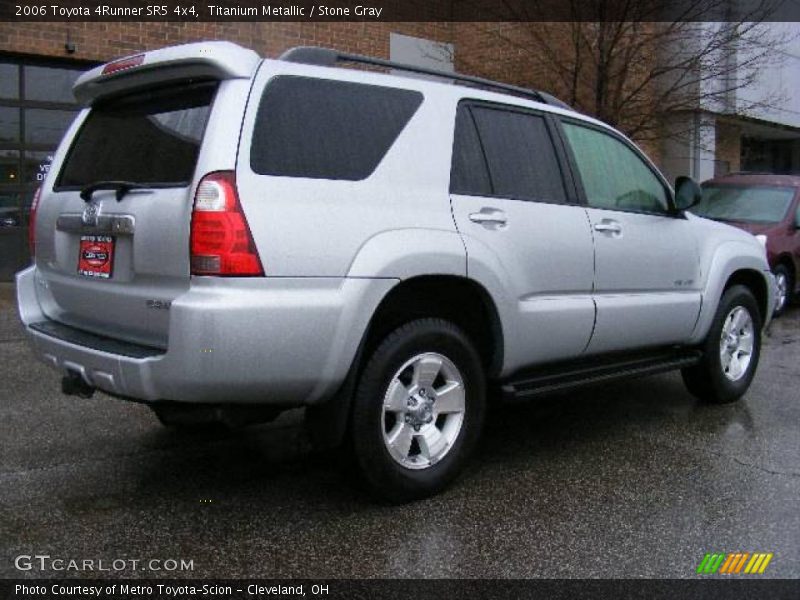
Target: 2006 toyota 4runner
point(221, 234)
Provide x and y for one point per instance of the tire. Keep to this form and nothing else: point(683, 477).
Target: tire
point(405, 446)
point(785, 283)
point(713, 381)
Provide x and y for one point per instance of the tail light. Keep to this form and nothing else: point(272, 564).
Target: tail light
point(32, 221)
point(221, 242)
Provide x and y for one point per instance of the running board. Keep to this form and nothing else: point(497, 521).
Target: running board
point(547, 380)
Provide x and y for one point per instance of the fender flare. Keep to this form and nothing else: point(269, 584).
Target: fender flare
point(729, 258)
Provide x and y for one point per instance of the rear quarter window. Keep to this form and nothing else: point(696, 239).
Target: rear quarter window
point(327, 129)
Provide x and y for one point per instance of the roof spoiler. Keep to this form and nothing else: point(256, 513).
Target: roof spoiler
point(217, 60)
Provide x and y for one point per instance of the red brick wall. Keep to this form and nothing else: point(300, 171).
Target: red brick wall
point(502, 51)
point(104, 41)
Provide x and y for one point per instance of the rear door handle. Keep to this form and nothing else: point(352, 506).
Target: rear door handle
point(608, 226)
point(489, 215)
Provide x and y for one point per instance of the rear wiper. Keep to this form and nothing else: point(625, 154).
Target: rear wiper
point(122, 188)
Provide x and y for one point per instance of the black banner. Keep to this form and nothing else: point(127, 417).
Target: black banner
point(399, 10)
point(436, 589)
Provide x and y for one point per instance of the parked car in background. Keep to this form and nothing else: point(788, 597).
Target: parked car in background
point(9, 210)
point(9, 217)
point(768, 206)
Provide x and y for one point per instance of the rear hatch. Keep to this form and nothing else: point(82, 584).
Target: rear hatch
point(112, 226)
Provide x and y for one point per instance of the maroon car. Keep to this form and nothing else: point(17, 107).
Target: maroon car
point(765, 205)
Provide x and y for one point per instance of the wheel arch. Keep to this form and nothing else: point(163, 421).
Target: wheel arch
point(733, 263)
point(457, 299)
point(755, 282)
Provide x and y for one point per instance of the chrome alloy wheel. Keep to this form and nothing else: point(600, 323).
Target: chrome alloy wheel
point(782, 295)
point(736, 343)
point(423, 410)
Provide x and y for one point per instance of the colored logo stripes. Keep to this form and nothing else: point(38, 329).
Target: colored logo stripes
point(735, 563)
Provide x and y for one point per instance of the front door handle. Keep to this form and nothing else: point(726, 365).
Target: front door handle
point(608, 226)
point(489, 215)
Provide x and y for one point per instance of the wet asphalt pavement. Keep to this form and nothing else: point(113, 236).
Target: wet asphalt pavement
point(630, 479)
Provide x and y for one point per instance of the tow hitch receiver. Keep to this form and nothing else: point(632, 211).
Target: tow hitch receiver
point(74, 385)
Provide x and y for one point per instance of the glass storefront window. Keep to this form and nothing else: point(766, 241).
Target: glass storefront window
point(9, 124)
point(44, 126)
point(49, 84)
point(37, 166)
point(9, 168)
point(10, 214)
point(9, 81)
point(36, 108)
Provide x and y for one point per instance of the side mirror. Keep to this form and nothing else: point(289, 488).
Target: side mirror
point(687, 193)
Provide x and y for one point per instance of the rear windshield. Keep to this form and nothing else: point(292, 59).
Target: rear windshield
point(150, 138)
point(745, 203)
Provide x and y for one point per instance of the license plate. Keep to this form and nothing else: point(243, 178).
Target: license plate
point(96, 256)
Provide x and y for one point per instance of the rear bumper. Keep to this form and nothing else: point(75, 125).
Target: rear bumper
point(281, 341)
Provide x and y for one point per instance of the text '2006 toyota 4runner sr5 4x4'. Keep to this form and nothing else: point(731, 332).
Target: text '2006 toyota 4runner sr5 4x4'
point(222, 234)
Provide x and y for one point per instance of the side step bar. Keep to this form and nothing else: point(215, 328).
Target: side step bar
point(553, 379)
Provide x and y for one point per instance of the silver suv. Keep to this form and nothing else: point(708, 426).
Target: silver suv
point(226, 236)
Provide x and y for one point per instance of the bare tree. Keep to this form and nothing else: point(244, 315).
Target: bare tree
point(635, 63)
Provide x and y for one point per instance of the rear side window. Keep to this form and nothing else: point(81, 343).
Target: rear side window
point(325, 129)
point(519, 154)
point(469, 174)
point(150, 137)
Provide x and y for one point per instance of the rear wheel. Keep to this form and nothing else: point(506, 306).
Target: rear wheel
point(730, 352)
point(785, 288)
point(418, 410)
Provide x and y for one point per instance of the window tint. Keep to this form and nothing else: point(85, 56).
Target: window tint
point(326, 129)
point(614, 176)
point(520, 153)
point(152, 137)
point(468, 174)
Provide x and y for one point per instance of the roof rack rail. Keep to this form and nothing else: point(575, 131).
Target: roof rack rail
point(327, 57)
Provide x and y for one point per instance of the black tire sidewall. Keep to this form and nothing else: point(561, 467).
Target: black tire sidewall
point(789, 288)
point(725, 390)
point(383, 474)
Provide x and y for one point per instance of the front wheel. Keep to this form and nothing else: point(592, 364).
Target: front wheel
point(730, 352)
point(418, 410)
